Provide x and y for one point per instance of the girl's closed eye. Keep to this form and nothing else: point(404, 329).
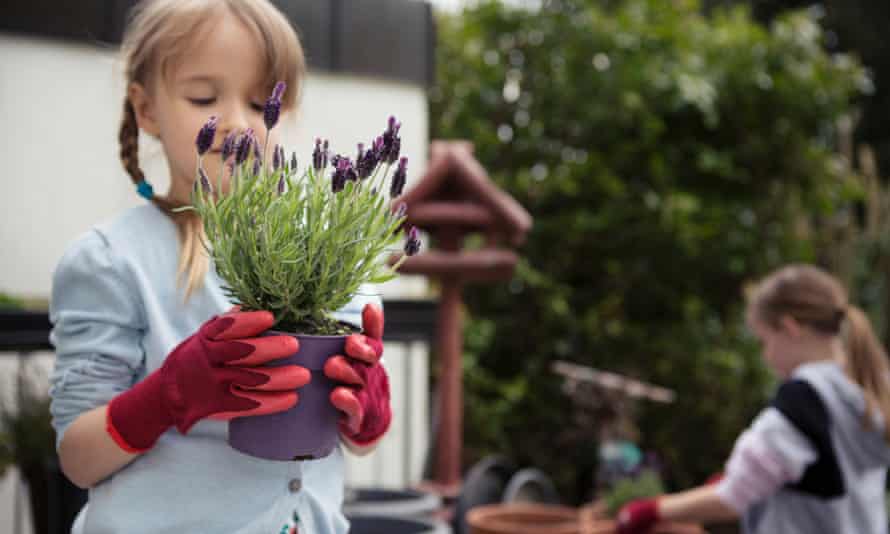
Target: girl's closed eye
point(203, 102)
point(256, 106)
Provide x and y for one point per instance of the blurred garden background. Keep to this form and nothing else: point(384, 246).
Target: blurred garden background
point(670, 152)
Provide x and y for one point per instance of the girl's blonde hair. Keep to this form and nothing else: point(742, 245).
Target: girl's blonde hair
point(816, 299)
point(159, 32)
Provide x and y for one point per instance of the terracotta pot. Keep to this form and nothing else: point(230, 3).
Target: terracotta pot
point(594, 521)
point(607, 526)
point(523, 518)
point(548, 519)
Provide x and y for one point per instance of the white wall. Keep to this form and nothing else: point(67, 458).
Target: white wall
point(60, 107)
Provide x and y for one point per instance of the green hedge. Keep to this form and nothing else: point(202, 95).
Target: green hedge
point(667, 158)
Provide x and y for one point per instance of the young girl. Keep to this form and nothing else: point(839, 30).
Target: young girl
point(815, 461)
point(151, 357)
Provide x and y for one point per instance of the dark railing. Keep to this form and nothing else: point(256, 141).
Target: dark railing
point(26, 332)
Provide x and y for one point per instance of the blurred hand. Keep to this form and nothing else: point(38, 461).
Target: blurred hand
point(714, 479)
point(638, 516)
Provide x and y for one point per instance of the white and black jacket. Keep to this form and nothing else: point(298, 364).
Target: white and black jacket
point(808, 464)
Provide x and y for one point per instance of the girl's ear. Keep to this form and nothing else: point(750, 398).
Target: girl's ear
point(790, 326)
point(143, 107)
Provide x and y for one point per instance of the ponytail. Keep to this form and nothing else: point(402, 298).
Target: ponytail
point(193, 260)
point(867, 366)
point(815, 298)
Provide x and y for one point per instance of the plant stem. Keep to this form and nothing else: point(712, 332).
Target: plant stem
point(266, 148)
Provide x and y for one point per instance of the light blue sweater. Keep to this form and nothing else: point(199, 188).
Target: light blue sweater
point(117, 312)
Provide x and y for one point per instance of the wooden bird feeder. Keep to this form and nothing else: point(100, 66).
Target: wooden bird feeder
point(455, 198)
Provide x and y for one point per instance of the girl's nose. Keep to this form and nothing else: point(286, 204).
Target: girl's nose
point(233, 119)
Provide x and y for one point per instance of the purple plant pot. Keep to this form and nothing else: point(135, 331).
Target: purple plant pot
point(308, 430)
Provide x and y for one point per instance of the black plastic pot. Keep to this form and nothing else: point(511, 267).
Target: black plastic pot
point(390, 503)
point(371, 524)
point(530, 485)
point(484, 483)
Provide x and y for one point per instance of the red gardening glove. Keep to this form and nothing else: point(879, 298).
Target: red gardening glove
point(714, 479)
point(364, 399)
point(638, 516)
point(211, 373)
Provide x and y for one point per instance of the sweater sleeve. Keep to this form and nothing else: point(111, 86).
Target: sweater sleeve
point(98, 327)
point(778, 449)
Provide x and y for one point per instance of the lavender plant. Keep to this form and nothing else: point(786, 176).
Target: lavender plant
point(300, 242)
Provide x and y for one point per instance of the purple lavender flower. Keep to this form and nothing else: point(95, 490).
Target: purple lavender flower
point(325, 151)
point(394, 150)
point(204, 180)
point(399, 178)
point(351, 174)
point(338, 182)
point(318, 159)
point(392, 143)
point(243, 149)
point(228, 145)
point(276, 158)
point(367, 161)
point(293, 160)
point(257, 164)
point(412, 244)
point(205, 135)
point(401, 210)
point(281, 185)
point(349, 169)
point(342, 173)
point(278, 90)
point(272, 110)
point(256, 151)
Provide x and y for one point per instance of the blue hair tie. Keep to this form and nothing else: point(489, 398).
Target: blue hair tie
point(145, 190)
